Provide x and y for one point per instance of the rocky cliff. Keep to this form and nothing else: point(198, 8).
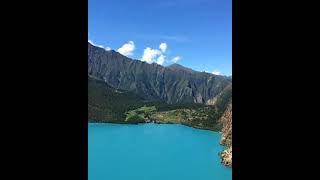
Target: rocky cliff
point(226, 138)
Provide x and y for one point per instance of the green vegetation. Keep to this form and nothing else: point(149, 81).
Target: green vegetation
point(107, 104)
point(201, 117)
point(140, 115)
point(204, 117)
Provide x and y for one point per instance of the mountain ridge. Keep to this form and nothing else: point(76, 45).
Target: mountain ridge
point(175, 84)
point(171, 66)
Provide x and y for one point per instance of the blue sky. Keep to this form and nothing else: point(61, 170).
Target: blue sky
point(193, 33)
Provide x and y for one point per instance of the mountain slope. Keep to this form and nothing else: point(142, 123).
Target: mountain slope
point(226, 138)
point(108, 103)
point(175, 84)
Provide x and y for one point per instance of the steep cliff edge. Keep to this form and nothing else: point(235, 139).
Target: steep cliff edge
point(226, 138)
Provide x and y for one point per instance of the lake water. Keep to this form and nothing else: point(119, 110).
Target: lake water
point(154, 152)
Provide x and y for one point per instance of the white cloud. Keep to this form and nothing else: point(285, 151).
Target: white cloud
point(161, 59)
point(91, 42)
point(150, 54)
point(100, 46)
point(163, 47)
point(157, 55)
point(216, 72)
point(176, 59)
point(127, 49)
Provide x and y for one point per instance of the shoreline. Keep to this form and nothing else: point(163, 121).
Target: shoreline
point(195, 127)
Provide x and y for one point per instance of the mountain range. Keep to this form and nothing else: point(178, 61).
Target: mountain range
point(173, 84)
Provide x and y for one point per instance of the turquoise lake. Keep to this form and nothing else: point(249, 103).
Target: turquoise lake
point(154, 152)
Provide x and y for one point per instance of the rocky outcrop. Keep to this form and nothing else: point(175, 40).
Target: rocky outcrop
point(226, 138)
point(226, 157)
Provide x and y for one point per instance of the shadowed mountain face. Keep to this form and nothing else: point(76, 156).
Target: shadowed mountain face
point(173, 84)
point(107, 103)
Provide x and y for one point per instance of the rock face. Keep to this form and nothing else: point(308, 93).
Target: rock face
point(226, 156)
point(226, 138)
point(173, 84)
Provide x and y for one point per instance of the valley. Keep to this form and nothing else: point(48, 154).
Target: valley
point(126, 91)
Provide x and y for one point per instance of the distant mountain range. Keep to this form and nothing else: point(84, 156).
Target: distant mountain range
point(174, 84)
